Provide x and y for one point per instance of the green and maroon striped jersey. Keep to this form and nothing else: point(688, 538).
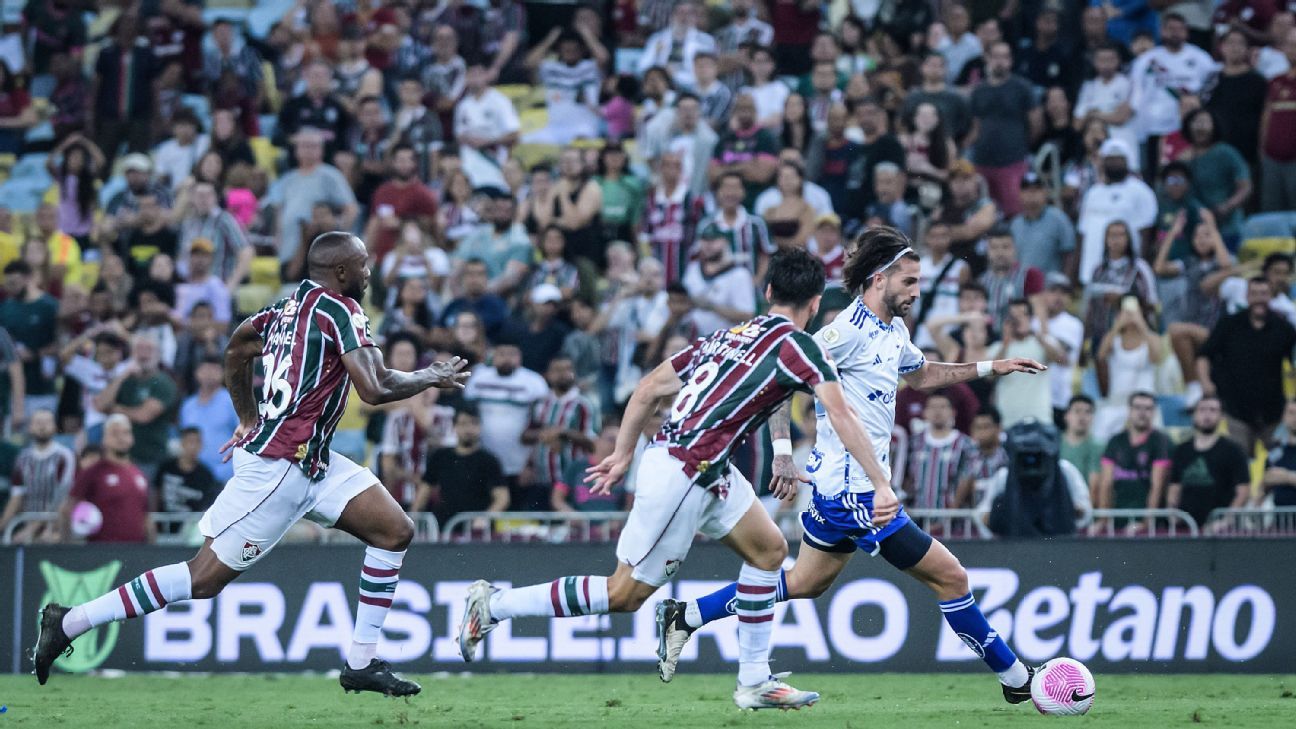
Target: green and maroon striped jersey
point(734, 379)
point(305, 383)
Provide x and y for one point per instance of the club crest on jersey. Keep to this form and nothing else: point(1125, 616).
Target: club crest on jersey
point(250, 552)
point(672, 566)
point(359, 320)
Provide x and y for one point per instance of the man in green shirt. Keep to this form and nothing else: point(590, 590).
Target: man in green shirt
point(1078, 446)
point(146, 395)
point(31, 317)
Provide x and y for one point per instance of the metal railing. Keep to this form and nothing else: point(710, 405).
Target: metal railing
point(181, 529)
point(951, 523)
point(1134, 523)
point(1278, 521)
point(534, 526)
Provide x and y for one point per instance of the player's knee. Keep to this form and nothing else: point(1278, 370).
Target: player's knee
point(398, 536)
point(954, 579)
point(204, 584)
point(627, 595)
point(771, 556)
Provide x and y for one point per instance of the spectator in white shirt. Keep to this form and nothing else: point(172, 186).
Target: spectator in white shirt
point(769, 93)
point(1271, 62)
point(723, 291)
point(571, 87)
point(484, 118)
point(174, 159)
point(954, 40)
point(674, 46)
point(1161, 77)
point(1106, 96)
point(505, 392)
point(1066, 333)
point(814, 194)
point(1120, 196)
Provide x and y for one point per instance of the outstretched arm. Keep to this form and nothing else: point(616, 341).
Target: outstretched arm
point(660, 383)
point(377, 385)
point(935, 375)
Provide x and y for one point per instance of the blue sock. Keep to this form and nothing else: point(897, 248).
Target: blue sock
point(720, 604)
point(965, 618)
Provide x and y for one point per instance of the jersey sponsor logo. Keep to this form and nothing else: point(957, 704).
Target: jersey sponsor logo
point(359, 320)
point(289, 310)
point(831, 335)
point(886, 398)
point(672, 566)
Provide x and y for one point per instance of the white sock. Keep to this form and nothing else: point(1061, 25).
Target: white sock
point(693, 615)
point(1015, 676)
point(378, 580)
point(151, 591)
point(562, 598)
point(755, 607)
point(360, 654)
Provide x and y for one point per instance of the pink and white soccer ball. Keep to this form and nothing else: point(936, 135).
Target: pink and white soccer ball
point(1062, 687)
point(86, 519)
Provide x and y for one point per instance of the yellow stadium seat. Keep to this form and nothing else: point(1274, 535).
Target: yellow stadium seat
point(533, 154)
point(533, 119)
point(1257, 248)
point(273, 99)
point(265, 272)
point(253, 297)
point(267, 155)
point(588, 144)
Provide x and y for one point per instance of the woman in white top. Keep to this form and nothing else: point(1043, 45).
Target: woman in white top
point(1131, 353)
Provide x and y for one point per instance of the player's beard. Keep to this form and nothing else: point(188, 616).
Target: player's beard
point(899, 305)
point(355, 290)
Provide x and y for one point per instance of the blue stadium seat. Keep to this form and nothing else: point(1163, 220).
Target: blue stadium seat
point(265, 15)
point(110, 188)
point(1173, 413)
point(269, 123)
point(201, 106)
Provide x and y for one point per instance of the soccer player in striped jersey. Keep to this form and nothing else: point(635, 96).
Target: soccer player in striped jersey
point(870, 345)
point(722, 387)
point(312, 346)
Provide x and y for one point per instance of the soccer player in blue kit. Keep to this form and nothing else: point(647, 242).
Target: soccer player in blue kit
point(871, 347)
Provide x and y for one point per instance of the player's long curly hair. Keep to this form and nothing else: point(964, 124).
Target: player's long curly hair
point(870, 251)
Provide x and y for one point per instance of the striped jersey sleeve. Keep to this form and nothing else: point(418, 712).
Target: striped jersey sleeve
point(342, 319)
point(803, 364)
point(261, 320)
point(682, 361)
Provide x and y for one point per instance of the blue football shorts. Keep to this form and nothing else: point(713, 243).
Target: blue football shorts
point(844, 523)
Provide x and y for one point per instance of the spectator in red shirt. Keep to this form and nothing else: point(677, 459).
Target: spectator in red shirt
point(402, 199)
point(16, 113)
point(116, 486)
point(796, 23)
point(1278, 137)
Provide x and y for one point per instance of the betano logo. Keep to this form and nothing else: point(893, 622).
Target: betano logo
point(73, 588)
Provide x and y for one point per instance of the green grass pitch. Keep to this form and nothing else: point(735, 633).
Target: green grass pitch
point(901, 701)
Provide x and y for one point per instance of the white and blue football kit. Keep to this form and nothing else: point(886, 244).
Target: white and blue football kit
point(871, 356)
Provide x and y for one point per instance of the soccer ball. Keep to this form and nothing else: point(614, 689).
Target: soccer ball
point(1062, 687)
point(86, 519)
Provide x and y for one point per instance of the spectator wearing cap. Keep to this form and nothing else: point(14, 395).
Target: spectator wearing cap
point(206, 220)
point(836, 162)
point(749, 239)
point(1005, 278)
point(1005, 118)
point(1045, 237)
point(1161, 78)
point(889, 206)
point(401, 199)
point(571, 85)
point(312, 182)
point(502, 244)
point(682, 130)
point(318, 109)
point(211, 411)
point(1278, 136)
point(1118, 197)
point(967, 211)
point(539, 333)
point(484, 119)
point(138, 170)
point(122, 89)
point(1063, 332)
point(675, 46)
point(178, 156)
point(827, 244)
point(747, 149)
point(200, 286)
point(722, 289)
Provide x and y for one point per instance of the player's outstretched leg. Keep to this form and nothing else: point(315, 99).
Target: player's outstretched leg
point(563, 598)
point(202, 577)
point(375, 518)
point(940, 570)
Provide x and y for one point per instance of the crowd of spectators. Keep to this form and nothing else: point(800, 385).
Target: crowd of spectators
point(566, 192)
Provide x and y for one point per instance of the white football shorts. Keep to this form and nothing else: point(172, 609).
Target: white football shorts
point(669, 510)
point(267, 496)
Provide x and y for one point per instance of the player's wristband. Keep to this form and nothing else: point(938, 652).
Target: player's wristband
point(985, 368)
point(782, 447)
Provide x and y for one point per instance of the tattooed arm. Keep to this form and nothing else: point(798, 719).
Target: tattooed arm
point(785, 478)
point(935, 375)
point(243, 349)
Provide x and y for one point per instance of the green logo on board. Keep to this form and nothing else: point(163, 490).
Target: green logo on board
point(73, 588)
